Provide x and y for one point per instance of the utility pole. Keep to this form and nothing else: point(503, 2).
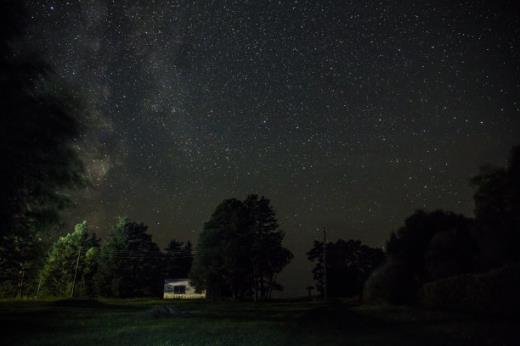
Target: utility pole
point(20, 283)
point(325, 263)
point(38, 288)
point(75, 273)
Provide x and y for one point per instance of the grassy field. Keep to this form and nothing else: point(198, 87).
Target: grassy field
point(132, 322)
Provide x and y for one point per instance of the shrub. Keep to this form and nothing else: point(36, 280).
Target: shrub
point(8, 289)
point(392, 283)
point(496, 291)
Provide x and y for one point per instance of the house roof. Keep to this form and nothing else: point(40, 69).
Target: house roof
point(172, 281)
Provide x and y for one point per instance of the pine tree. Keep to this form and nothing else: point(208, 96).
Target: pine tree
point(240, 252)
point(130, 263)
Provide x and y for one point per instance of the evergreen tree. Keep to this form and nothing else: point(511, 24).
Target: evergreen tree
point(221, 264)
point(268, 256)
point(130, 263)
point(240, 250)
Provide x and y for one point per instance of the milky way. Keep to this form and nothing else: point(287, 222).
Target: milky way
point(348, 115)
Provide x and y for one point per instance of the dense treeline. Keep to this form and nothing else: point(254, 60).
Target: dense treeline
point(239, 254)
point(349, 263)
point(126, 264)
point(440, 255)
point(432, 246)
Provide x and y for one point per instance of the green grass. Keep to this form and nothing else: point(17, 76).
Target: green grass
point(129, 322)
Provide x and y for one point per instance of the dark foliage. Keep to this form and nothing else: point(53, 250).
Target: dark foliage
point(492, 292)
point(130, 263)
point(240, 250)
point(177, 260)
point(37, 133)
point(127, 264)
point(391, 283)
point(221, 264)
point(349, 263)
point(430, 246)
point(445, 248)
point(497, 211)
point(434, 245)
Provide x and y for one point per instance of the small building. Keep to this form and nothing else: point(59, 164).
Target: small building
point(181, 289)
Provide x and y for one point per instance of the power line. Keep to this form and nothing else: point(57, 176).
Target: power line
point(75, 273)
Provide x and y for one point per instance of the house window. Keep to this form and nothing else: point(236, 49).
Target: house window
point(179, 289)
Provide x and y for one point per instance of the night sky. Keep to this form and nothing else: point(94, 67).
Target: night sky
point(348, 115)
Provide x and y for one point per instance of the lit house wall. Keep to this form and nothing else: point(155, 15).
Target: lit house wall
point(181, 289)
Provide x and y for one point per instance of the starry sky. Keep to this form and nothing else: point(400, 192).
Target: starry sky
point(348, 115)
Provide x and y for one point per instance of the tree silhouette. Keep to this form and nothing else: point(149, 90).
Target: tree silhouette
point(222, 262)
point(267, 254)
point(37, 133)
point(130, 263)
point(497, 211)
point(178, 259)
point(429, 241)
point(315, 254)
point(240, 250)
point(349, 264)
point(437, 245)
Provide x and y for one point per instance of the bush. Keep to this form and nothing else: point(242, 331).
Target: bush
point(496, 291)
point(392, 283)
point(8, 289)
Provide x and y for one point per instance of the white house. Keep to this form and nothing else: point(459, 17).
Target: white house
point(181, 288)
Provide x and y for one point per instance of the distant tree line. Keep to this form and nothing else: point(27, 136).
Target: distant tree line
point(126, 264)
point(238, 255)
